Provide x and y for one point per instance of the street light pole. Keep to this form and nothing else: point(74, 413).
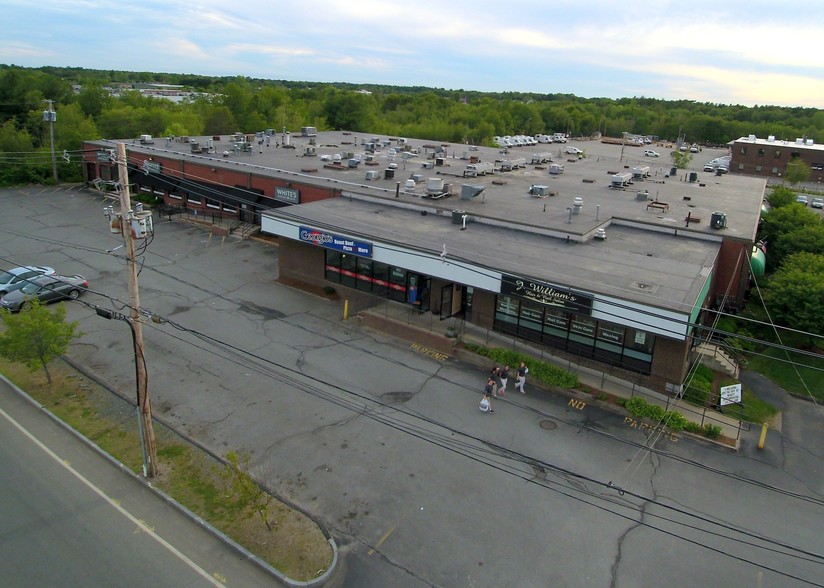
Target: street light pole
point(147, 429)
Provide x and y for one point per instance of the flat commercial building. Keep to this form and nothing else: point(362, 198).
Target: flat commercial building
point(769, 157)
point(609, 258)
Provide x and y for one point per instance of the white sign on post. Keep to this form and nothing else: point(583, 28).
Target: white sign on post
point(731, 394)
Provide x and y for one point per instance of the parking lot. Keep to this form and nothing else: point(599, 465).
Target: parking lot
point(385, 445)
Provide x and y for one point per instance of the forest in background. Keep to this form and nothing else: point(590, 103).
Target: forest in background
point(225, 105)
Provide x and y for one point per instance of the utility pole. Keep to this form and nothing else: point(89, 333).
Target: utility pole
point(50, 116)
point(143, 404)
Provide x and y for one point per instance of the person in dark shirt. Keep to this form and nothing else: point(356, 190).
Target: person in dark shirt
point(503, 376)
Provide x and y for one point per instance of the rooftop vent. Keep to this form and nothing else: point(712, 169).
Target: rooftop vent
point(468, 191)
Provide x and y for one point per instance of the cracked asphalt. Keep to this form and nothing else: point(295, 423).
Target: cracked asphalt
point(387, 449)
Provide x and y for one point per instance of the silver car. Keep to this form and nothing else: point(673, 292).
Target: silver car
point(46, 289)
point(18, 277)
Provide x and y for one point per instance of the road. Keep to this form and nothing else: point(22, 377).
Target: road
point(387, 448)
point(70, 517)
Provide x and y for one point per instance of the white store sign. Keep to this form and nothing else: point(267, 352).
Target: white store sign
point(731, 394)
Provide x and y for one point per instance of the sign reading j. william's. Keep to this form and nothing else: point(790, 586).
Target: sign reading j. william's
point(332, 241)
point(546, 294)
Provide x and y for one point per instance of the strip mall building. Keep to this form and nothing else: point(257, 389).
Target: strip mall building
point(611, 275)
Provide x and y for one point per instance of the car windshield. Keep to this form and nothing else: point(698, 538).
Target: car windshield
point(30, 288)
point(6, 277)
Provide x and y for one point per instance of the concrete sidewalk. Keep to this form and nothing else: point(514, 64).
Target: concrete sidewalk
point(430, 332)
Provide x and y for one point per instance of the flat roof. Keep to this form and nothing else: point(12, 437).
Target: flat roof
point(773, 142)
point(651, 255)
point(632, 264)
point(506, 194)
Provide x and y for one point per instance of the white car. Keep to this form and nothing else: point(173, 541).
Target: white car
point(801, 199)
point(651, 153)
point(16, 278)
point(574, 150)
point(817, 203)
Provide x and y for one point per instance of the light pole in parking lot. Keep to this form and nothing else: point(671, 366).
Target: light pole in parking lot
point(134, 225)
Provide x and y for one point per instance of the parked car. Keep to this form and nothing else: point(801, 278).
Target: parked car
point(16, 278)
point(651, 153)
point(46, 289)
point(573, 150)
point(817, 203)
point(801, 199)
point(694, 149)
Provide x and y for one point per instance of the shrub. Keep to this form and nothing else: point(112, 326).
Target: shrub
point(675, 420)
point(692, 427)
point(540, 370)
point(712, 431)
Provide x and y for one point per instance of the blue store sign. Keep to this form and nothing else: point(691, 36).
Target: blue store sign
point(332, 241)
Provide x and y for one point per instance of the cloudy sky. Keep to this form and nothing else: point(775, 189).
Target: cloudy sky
point(731, 52)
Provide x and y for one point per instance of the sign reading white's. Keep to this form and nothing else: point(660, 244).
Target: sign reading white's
point(336, 242)
point(546, 294)
point(289, 195)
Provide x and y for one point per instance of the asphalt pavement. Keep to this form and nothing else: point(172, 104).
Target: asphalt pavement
point(384, 444)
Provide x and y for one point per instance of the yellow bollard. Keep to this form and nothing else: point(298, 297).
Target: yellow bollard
point(345, 309)
point(763, 436)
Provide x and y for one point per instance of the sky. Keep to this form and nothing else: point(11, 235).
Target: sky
point(730, 52)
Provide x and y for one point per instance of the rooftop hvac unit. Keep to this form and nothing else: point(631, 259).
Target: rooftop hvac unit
point(468, 191)
point(434, 185)
point(600, 234)
point(409, 185)
point(718, 220)
point(389, 174)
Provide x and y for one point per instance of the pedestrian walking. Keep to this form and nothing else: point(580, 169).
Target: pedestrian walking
point(503, 376)
point(486, 403)
point(493, 376)
point(522, 372)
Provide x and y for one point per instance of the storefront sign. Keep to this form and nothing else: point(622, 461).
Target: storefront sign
point(546, 294)
point(611, 335)
point(105, 156)
point(151, 167)
point(336, 242)
point(289, 195)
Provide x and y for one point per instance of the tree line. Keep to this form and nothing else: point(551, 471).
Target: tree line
point(86, 109)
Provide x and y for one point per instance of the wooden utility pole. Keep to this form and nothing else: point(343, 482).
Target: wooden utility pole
point(50, 116)
point(144, 406)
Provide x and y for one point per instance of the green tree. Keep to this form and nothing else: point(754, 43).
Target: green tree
point(778, 224)
point(681, 159)
point(794, 295)
point(797, 172)
point(781, 196)
point(36, 336)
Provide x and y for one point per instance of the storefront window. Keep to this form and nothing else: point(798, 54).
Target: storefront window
point(332, 272)
point(364, 274)
point(530, 317)
point(380, 279)
point(397, 284)
point(348, 270)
